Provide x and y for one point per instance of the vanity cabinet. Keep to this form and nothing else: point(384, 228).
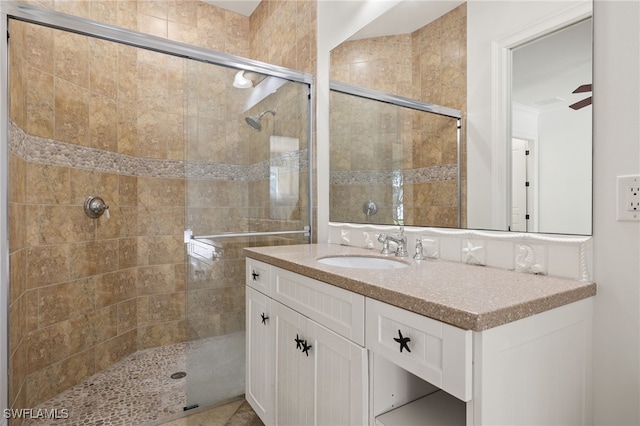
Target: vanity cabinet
point(301, 369)
point(330, 356)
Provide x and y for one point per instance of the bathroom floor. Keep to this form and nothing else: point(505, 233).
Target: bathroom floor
point(139, 389)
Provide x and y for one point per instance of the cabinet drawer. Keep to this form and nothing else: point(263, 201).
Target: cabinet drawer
point(335, 308)
point(258, 275)
point(437, 352)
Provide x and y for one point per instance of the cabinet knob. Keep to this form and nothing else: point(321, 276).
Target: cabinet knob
point(298, 341)
point(264, 318)
point(305, 348)
point(403, 341)
point(255, 275)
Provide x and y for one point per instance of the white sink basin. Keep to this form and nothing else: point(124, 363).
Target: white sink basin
point(363, 262)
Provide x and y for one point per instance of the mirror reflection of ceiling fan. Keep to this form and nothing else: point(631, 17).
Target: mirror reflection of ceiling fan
point(585, 102)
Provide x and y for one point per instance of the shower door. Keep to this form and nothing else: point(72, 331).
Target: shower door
point(165, 142)
point(247, 184)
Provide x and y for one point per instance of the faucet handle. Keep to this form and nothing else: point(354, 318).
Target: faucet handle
point(419, 254)
point(385, 243)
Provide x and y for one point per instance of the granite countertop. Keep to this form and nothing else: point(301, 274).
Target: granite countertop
point(467, 296)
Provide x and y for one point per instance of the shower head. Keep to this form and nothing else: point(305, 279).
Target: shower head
point(254, 120)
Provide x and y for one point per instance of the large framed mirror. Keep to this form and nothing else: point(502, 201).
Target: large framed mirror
point(466, 56)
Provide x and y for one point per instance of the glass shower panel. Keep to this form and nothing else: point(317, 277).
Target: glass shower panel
point(391, 164)
point(247, 185)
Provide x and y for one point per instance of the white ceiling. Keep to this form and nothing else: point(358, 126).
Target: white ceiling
point(549, 69)
point(406, 17)
point(243, 7)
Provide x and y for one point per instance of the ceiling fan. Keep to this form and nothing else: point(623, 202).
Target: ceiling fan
point(585, 102)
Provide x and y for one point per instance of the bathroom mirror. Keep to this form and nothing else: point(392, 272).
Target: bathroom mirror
point(449, 58)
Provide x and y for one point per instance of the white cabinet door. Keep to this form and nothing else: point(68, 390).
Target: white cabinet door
point(321, 377)
point(341, 378)
point(259, 384)
point(294, 373)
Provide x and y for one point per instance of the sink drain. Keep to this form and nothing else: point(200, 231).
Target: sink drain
point(178, 375)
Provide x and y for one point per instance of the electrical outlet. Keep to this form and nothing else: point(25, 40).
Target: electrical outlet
point(628, 198)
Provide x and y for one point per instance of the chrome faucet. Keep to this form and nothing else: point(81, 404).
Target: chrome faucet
point(400, 240)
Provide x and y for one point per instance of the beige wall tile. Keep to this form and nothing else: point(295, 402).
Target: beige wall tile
point(93, 258)
point(151, 24)
point(156, 279)
point(17, 274)
point(160, 308)
point(127, 76)
point(183, 11)
point(127, 316)
point(115, 349)
point(88, 182)
point(40, 103)
point(47, 346)
point(104, 11)
point(47, 265)
point(161, 334)
point(103, 67)
point(93, 328)
point(40, 47)
point(17, 226)
point(103, 123)
point(17, 374)
point(127, 253)
point(61, 224)
point(60, 302)
point(166, 249)
point(72, 113)
point(71, 58)
point(115, 287)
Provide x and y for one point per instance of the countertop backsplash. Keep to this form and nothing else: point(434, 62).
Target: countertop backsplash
point(566, 256)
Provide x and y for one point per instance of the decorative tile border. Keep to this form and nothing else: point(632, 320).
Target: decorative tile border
point(379, 177)
point(562, 256)
point(48, 151)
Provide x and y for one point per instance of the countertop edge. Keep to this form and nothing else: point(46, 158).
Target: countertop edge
point(457, 317)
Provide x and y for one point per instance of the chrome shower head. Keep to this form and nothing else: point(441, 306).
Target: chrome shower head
point(254, 120)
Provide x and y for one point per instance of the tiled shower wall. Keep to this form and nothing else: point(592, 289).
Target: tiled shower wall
point(429, 65)
point(114, 122)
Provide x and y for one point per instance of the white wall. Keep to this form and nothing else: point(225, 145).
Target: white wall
point(489, 22)
point(616, 254)
point(564, 171)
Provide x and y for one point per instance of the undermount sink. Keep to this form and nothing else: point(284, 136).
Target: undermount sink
point(363, 262)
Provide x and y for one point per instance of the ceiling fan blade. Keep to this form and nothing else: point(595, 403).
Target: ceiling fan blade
point(581, 104)
point(583, 88)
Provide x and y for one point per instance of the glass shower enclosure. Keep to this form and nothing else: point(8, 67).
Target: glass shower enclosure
point(197, 154)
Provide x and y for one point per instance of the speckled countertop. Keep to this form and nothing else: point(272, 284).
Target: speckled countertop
point(466, 296)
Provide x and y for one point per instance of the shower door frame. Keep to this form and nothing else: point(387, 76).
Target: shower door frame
point(83, 26)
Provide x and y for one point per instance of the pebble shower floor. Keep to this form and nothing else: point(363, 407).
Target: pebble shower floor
point(138, 390)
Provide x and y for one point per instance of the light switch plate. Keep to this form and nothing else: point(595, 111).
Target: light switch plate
point(628, 199)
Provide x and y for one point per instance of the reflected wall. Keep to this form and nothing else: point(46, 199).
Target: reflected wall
point(427, 65)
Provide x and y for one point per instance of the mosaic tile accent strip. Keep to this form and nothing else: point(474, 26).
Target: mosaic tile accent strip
point(378, 177)
point(48, 151)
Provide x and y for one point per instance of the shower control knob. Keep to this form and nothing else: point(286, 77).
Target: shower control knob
point(94, 207)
